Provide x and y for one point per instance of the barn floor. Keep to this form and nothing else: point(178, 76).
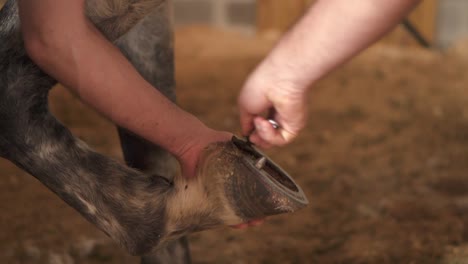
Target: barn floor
point(383, 161)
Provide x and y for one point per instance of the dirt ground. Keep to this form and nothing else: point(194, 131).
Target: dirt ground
point(383, 161)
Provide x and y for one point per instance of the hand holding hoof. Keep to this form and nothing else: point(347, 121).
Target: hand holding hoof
point(235, 185)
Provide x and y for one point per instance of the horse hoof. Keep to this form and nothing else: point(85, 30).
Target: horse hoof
point(253, 186)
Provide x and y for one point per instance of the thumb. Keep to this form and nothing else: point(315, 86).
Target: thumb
point(246, 122)
point(189, 169)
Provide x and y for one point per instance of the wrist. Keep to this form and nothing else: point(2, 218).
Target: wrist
point(182, 129)
point(279, 78)
point(285, 73)
point(188, 148)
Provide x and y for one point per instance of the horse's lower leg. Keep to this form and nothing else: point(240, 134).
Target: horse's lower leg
point(149, 46)
point(128, 205)
point(142, 211)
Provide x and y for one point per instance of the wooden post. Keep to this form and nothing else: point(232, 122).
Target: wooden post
point(423, 18)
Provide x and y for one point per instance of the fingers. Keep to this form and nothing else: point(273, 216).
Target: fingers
point(246, 121)
point(251, 102)
point(287, 107)
point(240, 226)
point(258, 141)
point(255, 222)
point(191, 151)
point(266, 135)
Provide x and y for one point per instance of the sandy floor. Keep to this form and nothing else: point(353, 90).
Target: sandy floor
point(383, 162)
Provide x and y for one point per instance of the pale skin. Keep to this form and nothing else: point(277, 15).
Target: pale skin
point(329, 34)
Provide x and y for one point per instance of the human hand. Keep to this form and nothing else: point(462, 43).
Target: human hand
point(199, 137)
point(267, 94)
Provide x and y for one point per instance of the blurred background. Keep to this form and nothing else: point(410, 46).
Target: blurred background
point(383, 159)
point(440, 21)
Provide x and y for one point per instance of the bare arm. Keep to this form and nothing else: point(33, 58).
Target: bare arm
point(329, 34)
point(61, 40)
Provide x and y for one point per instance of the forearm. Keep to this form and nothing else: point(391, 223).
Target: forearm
point(331, 32)
point(71, 50)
